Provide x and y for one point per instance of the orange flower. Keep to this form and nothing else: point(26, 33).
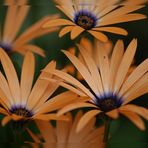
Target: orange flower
point(15, 16)
point(111, 87)
point(65, 134)
point(21, 102)
point(95, 17)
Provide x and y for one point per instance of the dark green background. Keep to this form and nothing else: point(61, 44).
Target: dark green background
point(124, 133)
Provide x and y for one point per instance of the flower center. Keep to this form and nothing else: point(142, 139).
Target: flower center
point(85, 20)
point(21, 111)
point(109, 102)
point(6, 47)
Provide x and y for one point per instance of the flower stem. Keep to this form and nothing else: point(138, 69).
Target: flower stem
point(106, 131)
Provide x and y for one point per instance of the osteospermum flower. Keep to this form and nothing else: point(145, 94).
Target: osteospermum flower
point(93, 51)
point(10, 41)
point(95, 17)
point(111, 87)
point(21, 101)
point(65, 134)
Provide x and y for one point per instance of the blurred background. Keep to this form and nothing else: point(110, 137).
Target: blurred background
point(124, 133)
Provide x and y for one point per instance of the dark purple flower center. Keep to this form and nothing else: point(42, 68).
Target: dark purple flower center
point(21, 111)
point(6, 47)
point(108, 102)
point(85, 19)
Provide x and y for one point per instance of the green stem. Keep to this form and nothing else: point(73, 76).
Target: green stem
point(106, 131)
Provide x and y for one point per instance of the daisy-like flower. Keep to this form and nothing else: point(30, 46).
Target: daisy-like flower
point(65, 135)
point(10, 41)
point(93, 51)
point(111, 87)
point(95, 17)
point(22, 102)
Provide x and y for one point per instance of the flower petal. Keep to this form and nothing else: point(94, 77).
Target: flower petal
point(116, 30)
point(11, 76)
point(83, 70)
point(27, 76)
point(134, 118)
point(34, 48)
point(58, 22)
point(5, 120)
point(77, 30)
point(138, 89)
point(86, 118)
point(65, 30)
point(33, 136)
point(143, 112)
point(98, 35)
point(113, 114)
point(73, 106)
point(57, 102)
point(121, 19)
point(134, 76)
point(115, 62)
point(48, 117)
point(125, 65)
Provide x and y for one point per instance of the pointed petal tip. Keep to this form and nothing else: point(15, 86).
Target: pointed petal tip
point(134, 41)
point(64, 51)
point(60, 35)
point(60, 113)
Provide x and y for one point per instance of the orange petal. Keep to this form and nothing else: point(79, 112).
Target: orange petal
point(65, 30)
point(143, 112)
point(34, 48)
point(73, 106)
point(77, 30)
point(3, 111)
point(48, 117)
point(92, 68)
point(121, 19)
point(33, 136)
point(47, 130)
point(71, 80)
point(134, 118)
point(98, 35)
point(73, 89)
point(66, 10)
point(115, 62)
point(116, 30)
point(20, 17)
point(125, 64)
point(27, 76)
point(5, 120)
point(138, 89)
point(11, 75)
point(58, 22)
point(137, 73)
point(86, 118)
point(84, 71)
point(113, 114)
point(58, 102)
point(9, 23)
